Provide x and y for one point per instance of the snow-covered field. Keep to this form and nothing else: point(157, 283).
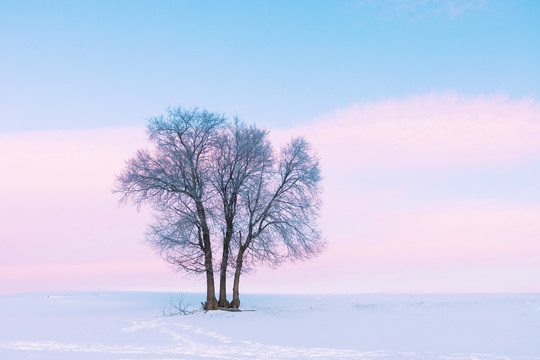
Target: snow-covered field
point(130, 325)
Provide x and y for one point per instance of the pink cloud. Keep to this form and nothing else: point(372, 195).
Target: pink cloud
point(57, 208)
point(65, 161)
point(453, 235)
point(63, 229)
point(115, 275)
point(463, 247)
point(372, 229)
point(438, 131)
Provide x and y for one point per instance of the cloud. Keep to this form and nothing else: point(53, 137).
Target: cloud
point(114, 275)
point(438, 247)
point(386, 221)
point(57, 206)
point(435, 131)
point(64, 161)
point(424, 8)
point(454, 235)
point(62, 227)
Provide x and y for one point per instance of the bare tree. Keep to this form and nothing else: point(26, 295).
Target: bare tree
point(241, 154)
point(205, 177)
point(173, 178)
point(280, 207)
point(177, 306)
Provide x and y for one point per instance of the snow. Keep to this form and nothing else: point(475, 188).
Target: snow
point(131, 325)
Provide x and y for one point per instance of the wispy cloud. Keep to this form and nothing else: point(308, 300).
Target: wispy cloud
point(434, 131)
point(395, 225)
point(424, 8)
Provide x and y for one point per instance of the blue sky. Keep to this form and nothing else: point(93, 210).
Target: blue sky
point(89, 64)
point(425, 115)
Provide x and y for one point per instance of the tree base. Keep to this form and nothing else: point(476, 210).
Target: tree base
point(235, 304)
point(210, 305)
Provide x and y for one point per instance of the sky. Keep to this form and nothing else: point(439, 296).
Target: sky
point(425, 115)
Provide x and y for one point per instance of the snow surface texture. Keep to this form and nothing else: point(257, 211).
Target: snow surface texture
point(130, 325)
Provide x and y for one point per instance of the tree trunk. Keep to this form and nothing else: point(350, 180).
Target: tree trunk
point(235, 304)
point(223, 302)
point(211, 302)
